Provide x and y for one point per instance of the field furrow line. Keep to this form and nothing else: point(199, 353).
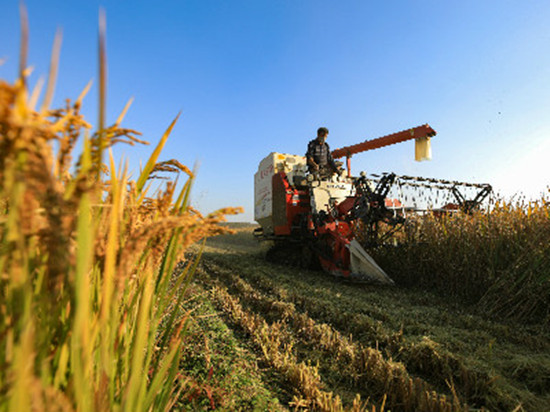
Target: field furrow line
point(424, 359)
point(365, 368)
point(276, 346)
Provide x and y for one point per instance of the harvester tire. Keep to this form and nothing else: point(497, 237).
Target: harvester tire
point(309, 258)
point(283, 253)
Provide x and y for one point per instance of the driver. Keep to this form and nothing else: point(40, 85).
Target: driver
point(318, 156)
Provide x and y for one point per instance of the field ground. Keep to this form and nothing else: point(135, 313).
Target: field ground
point(271, 337)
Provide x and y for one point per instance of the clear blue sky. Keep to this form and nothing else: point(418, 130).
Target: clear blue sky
point(252, 77)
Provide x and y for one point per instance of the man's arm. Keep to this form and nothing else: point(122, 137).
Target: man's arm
point(309, 157)
point(312, 163)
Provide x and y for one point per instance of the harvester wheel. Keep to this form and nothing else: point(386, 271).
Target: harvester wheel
point(309, 258)
point(284, 253)
point(293, 254)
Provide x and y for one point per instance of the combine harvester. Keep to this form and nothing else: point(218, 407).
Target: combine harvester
point(313, 219)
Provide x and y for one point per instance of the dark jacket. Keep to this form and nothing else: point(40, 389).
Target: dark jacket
point(320, 154)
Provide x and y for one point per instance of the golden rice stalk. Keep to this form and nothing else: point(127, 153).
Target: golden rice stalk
point(86, 260)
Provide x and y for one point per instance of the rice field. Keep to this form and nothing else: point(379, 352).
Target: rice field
point(339, 346)
point(111, 299)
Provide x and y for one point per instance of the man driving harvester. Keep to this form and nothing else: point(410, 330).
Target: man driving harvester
point(318, 156)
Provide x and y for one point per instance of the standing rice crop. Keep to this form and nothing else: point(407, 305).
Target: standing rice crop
point(498, 259)
point(90, 289)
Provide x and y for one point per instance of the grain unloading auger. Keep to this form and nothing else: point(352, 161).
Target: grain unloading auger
point(313, 219)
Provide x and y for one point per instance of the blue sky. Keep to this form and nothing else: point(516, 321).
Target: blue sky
point(252, 77)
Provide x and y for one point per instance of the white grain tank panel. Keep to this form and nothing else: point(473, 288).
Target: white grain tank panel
point(262, 187)
point(292, 165)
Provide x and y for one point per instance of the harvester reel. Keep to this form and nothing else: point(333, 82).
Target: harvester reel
point(370, 208)
point(470, 205)
point(423, 194)
point(435, 195)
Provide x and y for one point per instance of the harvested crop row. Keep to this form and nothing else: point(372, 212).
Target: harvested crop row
point(276, 347)
point(434, 365)
point(365, 367)
point(374, 318)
